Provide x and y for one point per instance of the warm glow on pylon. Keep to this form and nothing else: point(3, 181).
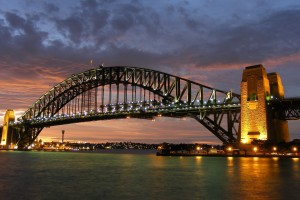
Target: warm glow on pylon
point(244, 141)
point(257, 87)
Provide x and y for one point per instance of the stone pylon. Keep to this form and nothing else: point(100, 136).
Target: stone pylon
point(9, 117)
point(257, 123)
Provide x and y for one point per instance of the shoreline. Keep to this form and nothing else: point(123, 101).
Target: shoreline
point(230, 155)
point(169, 154)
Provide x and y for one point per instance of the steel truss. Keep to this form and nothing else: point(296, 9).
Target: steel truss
point(119, 92)
point(286, 109)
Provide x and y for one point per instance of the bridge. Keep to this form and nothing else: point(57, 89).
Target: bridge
point(107, 93)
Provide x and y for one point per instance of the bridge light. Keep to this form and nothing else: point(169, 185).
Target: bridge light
point(255, 149)
point(244, 140)
point(295, 149)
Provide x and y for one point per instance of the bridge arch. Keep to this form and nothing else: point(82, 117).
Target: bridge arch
point(167, 86)
point(92, 92)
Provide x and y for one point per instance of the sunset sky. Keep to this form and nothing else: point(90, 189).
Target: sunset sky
point(208, 41)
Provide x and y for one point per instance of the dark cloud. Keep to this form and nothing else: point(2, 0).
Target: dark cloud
point(90, 4)
point(20, 39)
point(83, 24)
point(101, 27)
point(6, 38)
point(104, 31)
point(15, 21)
point(122, 22)
point(188, 19)
point(51, 8)
point(72, 28)
point(273, 36)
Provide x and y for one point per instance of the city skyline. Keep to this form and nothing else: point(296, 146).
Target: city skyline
point(44, 42)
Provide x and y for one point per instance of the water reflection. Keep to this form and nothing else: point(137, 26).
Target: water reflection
point(129, 176)
point(198, 160)
point(262, 178)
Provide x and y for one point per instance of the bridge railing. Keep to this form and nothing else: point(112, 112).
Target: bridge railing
point(139, 107)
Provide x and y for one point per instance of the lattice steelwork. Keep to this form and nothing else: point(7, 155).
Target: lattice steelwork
point(286, 109)
point(120, 92)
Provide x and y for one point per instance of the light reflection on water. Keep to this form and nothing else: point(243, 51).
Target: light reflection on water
point(67, 175)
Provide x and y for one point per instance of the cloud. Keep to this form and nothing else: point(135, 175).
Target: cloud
point(117, 33)
point(274, 35)
point(20, 39)
point(51, 8)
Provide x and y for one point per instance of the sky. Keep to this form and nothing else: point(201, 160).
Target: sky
point(42, 42)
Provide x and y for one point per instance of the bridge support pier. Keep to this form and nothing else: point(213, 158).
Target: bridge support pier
point(27, 135)
point(257, 122)
point(7, 132)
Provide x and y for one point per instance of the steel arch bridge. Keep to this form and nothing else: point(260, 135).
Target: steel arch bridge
point(121, 92)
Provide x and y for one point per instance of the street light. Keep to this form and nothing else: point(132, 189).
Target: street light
point(274, 148)
point(295, 149)
point(255, 149)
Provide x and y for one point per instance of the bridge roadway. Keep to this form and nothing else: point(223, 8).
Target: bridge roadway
point(210, 115)
point(134, 110)
point(288, 109)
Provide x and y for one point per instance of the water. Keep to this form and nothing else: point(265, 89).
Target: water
point(142, 175)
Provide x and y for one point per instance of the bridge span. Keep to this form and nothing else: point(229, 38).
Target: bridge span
point(107, 93)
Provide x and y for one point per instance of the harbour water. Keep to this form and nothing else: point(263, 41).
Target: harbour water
point(143, 175)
